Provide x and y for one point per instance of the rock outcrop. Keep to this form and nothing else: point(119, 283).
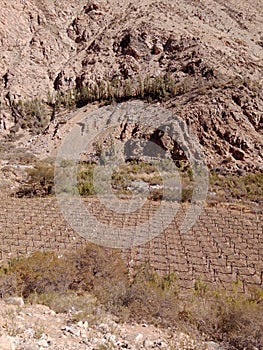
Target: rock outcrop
point(211, 50)
point(37, 327)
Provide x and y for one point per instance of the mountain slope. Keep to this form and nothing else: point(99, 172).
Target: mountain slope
point(212, 49)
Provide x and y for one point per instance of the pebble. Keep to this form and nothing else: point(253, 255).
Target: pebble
point(43, 343)
point(7, 343)
point(15, 301)
point(72, 330)
point(83, 324)
point(210, 345)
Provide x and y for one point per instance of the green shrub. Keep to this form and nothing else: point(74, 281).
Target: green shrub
point(248, 186)
point(32, 114)
point(85, 179)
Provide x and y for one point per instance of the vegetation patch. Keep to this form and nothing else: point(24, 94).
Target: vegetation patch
point(95, 280)
point(128, 177)
point(31, 115)
point(245, 187)
point(35, 114)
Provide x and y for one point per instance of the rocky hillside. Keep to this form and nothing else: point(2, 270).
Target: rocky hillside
point(208, 53)
point(37, 327)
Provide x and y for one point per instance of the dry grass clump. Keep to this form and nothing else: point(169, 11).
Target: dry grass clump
point(81, 306)
point(94, 280)
point(39, 273)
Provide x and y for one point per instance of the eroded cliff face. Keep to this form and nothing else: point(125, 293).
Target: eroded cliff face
point(211, 49)
point(53, 45)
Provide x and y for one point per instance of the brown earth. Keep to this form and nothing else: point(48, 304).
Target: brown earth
point(223, 247)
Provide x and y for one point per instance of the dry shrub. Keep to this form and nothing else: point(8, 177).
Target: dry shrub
point(40, 273)
point(96, 266)
point(8, 284)
point(80, 306)
point(84, 270)
point(67, 283)
point(231, 318)
point(40, 180)
point(147, 297)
